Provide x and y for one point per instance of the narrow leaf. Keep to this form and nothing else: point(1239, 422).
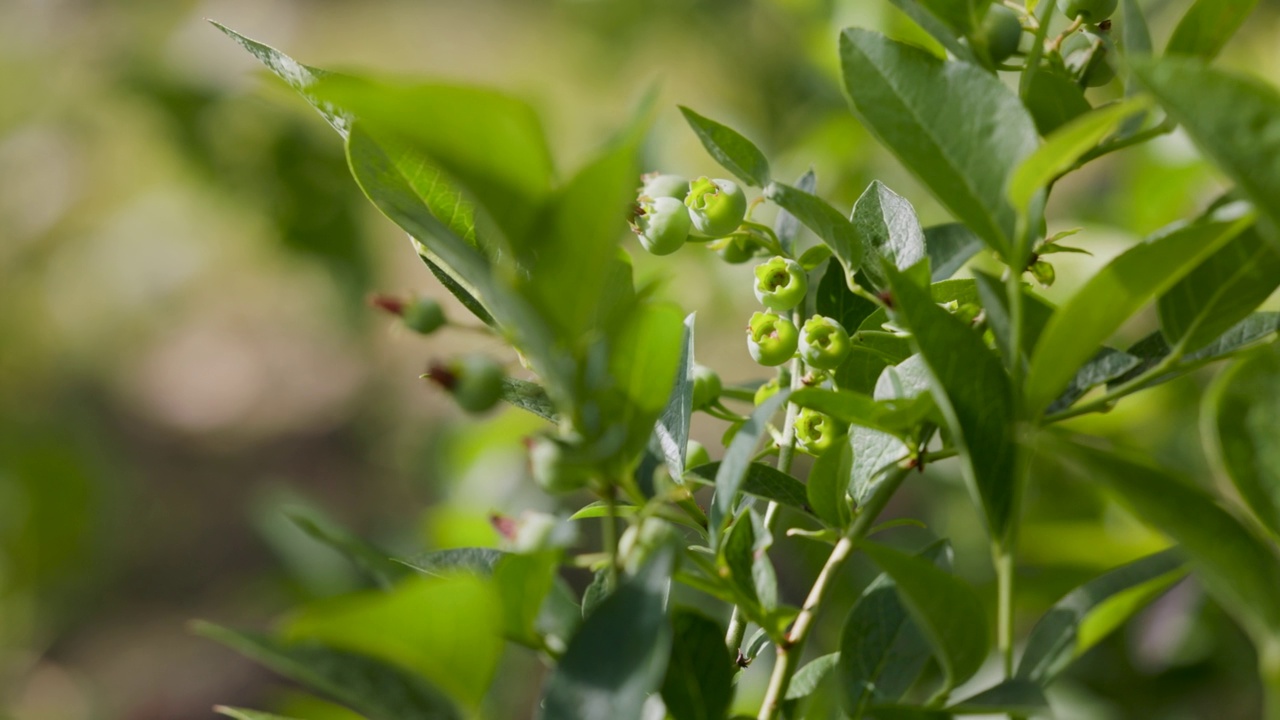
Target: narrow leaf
point(1207, 27)
point(828, 486)
point(1054, 101)
point(1015, 697)
point(786, 226)
point(760, 480)
point(737, 460)
point(1241, 423)
point(671, 432)
point(530, 397)
point(829, 224)
point(373, 560)
point(936, 28)
point(734, 152)
point(949, 247)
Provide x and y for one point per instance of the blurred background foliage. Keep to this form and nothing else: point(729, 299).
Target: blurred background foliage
point(185, 353)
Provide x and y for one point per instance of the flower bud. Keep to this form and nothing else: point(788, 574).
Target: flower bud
point(824, 344)
point(716, 207)
point(771, 339)
point(781, 284)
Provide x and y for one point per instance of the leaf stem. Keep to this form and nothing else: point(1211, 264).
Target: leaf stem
point(1004, 606)
point(790, 650)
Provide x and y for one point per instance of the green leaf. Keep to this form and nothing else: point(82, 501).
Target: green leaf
point(949, 246)
point(785, 225)
point(523, 582)
point(946, 609)
point(1233, 119)
point(438, 563)
point(448, 630)
point(734, 152)
point(939, 119)
point(1092, 611)
point(1207, 27)
point(1064, 147)
point(738, 564)
point(374, 561)
point(835, 300)
point(1115, 293)
point(644, 362)
point(732, 471)
point(889, 229)
point(530, 397)
point(1240, 571)
point(936, 28)
point(619, 654)
point(1241, 422)
point(671, 432)
point(760, 480)
point(1109, 364)
point(960, 15)
point(1221, 292)
point(1054, 101)
point(828, 486)
point(246, 714)
point(699, 681)
point(845, 406)
point(378, 690)
point(1012, 697)
point(874, 450)
point(975, 396)
point(828, 223)
point(1135, 36)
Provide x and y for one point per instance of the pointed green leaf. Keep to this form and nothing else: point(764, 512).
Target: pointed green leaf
point(939, 119)
point(760, 480)
point(699, 681)
point(1241, 424)
point(1232, 118)
point(873, 450)
point(1092, 611)
point(1014, 697)
point(438, 563)
point(1108, 365)
point(889, 229)
point(671, 432)
point(530, 397)
point(1115, 293)
point(828, 223)
point(618, 656)
point(786, 226)
point(937, 29)
point(828, 486)
point(373, 560)
point(960, 15)
point(1054, 101)
point(734, 152)
point(946, 609)
point(737, 460)
point(378, 690)
point(949, 246)
point(835, 300)
point(1207, 27)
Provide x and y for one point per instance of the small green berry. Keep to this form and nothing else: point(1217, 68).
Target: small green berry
point(1087, 61)
point(706, 387)
point(738, 249)
point(824, 344)
point(552, 466)
point(817, 433)
point(423, 315)
point(1043, 272)
point(766, 391)
point(771, 339)
point(781, 284)
point(475, 381)
point(696, 454)
point(662, 224)
point(657, 185)
point(716, 207)
point(1091, 11)
point(1002, 30)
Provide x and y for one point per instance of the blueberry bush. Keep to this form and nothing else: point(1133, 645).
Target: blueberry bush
point(876, 363)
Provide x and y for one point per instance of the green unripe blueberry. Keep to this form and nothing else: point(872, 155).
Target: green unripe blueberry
point(1002, 29)
point(824, 344)
point(1092, 11)
point(706, 387)
point(766, 391)
point(738, 250)
point(662, 224)
point(716, 207)
point(553, 468)
point(817, 433)
point(640, 541)
point(475, 381)
point(780, 284)
point(657, 185)
point(1087, 62)
point(423, 315)
point(696, 454)
point(1044, 273)
point(771, 339)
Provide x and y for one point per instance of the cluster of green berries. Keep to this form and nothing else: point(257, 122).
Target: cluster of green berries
point(773, 339)
point(671, 211)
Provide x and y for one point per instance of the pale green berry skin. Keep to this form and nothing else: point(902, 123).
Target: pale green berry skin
point(771, 339)
point(424, 316)
point(716, 207)
point(781, 284)
point(706, 387)
point(478, 383)
point(1092, 11)
point(552, 469)
point(824, 343)
point(817, 433)
point(1002, 30)
point(658, 185)
point(662, 224)
point(696, 454)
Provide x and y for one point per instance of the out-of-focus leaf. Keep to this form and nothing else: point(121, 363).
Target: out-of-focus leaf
point(1153, 350)
point(994, 297)
point(733, 470)
point(378, 690)
point(1221, 292)
point(737, 563)
point(1054, 101)
point(1115, 293)
point(937, 118)
point(1241, 424)
point(889, 229)
point(946, 609)
point(762, 481)
point(438, 563)
point(373, 560)
point(1106, 366)
point(699, 681)
point(807, 679)
point(671, 433)
point(974, 393)
point(1240, 571)
point(786, 226)
point(1233, 119)
point(828, 223)
point(936, 28)
point(734, 152)
point(619, 655)
point(949, 246)
point(530, 397)
point(828, 486)
point(523, 582)
point(246, 714)
point(1011, 697)
point(644, 363)
point(1208, 26)
point(1092, 611)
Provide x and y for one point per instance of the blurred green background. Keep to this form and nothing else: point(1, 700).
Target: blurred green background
point(185, 352)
